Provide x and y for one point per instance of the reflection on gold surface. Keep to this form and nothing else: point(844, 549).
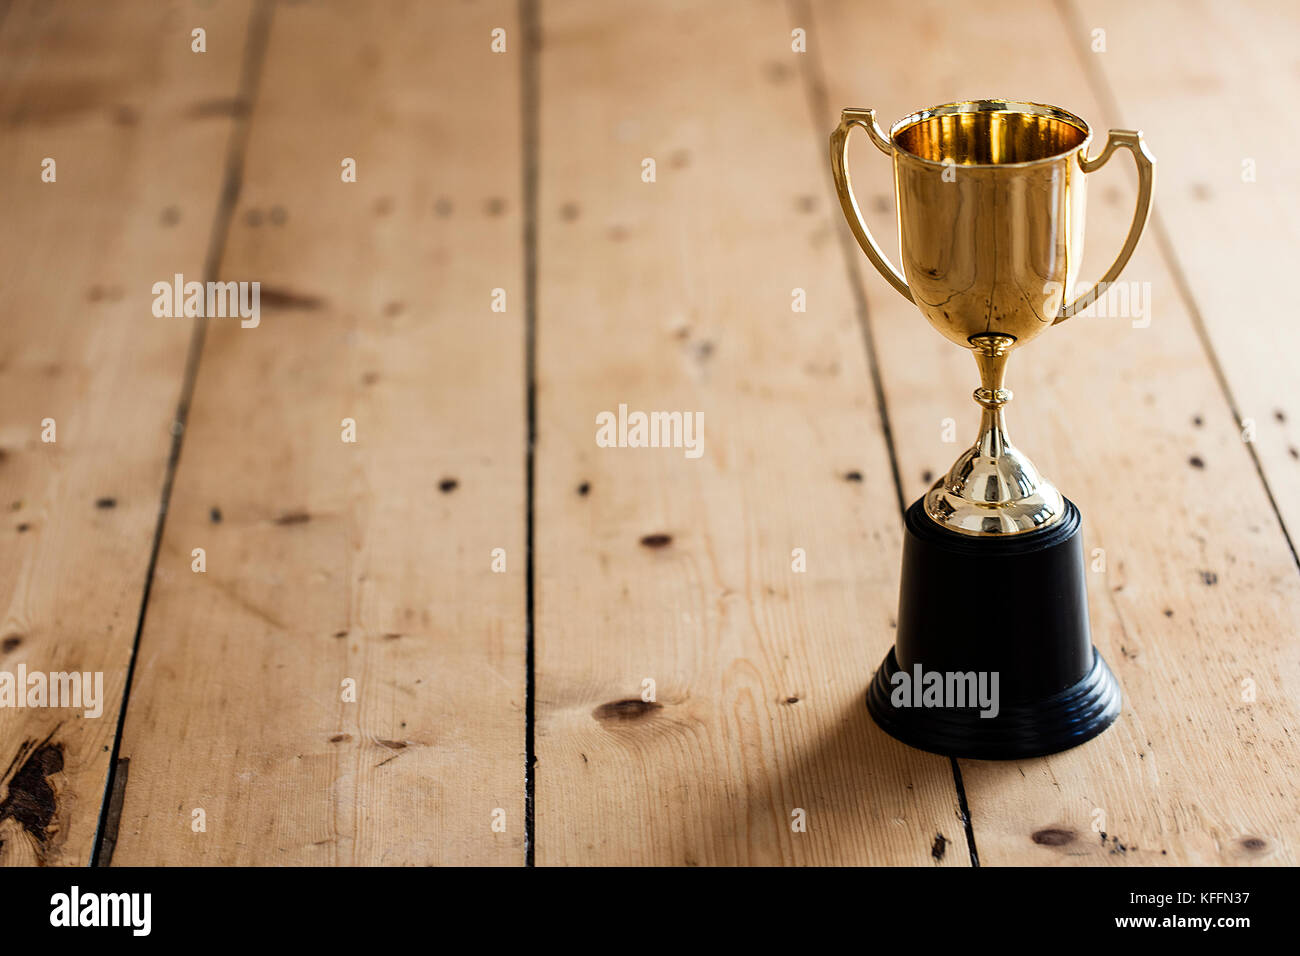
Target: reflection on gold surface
point(991, 199)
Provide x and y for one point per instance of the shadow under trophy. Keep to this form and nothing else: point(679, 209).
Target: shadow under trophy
point(993, 656)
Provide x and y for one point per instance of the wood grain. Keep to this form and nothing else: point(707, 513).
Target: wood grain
point(114, 95)
point(1199, 590)
point(1210, 83)
point(368, 561)
point(677, 295)
point(330, 562)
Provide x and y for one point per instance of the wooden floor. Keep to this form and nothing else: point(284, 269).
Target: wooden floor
point(430, 645)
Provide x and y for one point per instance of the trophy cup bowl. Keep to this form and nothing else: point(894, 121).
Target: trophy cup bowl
point(991, 212)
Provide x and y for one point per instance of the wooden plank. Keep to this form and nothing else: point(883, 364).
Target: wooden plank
point(1212, 93)
point(137, 125)
point(368, 561)
point(1199, 591)
point(676, 295)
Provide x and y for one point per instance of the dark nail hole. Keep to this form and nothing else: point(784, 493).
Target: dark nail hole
point(939, 846)
point(285, 299)
point(448, 485)
point(657, 540)
point(1053, 836)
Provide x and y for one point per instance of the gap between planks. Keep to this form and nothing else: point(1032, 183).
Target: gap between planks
point(530, 119)
point(815, 84)
point(257, 34)
point(1101, 88)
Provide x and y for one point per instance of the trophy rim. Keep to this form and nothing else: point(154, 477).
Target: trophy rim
point(994, 105)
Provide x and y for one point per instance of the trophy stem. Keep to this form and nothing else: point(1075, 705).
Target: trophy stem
point(993, 489)
point(991, 353)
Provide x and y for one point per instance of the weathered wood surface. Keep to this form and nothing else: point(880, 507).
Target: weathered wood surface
point(369, 561)
point(677, 295)
point(137, 126)
point(1199, 591)
point(1214, 84)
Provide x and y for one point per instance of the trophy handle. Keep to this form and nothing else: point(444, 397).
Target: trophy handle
point(844, 189)
point(1130, 139)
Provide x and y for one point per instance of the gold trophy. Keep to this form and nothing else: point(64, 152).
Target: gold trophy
point(991, 197)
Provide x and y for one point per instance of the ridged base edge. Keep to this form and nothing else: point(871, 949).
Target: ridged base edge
point(1056, 723)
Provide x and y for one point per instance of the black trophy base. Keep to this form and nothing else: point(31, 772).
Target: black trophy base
point(993, 658)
